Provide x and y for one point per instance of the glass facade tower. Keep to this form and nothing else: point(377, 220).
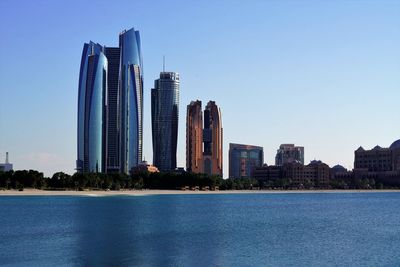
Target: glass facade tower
point(243, 159)
point(164, 120)
point(112, 54)
point(130, 100)
point(110, 106)
point(92, 110)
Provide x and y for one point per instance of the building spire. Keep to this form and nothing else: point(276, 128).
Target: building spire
point(163, 68)
point(7, 158)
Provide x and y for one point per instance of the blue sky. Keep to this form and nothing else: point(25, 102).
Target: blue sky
point(321, 74)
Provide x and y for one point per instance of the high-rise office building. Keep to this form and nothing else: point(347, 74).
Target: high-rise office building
point(110, 106)
point(112, 54)
point(130, 100)
point(212, 138)
point(194, 137)
point(289, 153)
point(243, 159)
point(209, 160)
point(164, 120)
point(92, 109)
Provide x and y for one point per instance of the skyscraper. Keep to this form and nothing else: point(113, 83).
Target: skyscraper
point(194, 137)
point(288, 153)
point(243, 159)
point(212, 137)
point(92, 110)
point(110, 106)
point(131, 100)
point(208, 161)
point(164, 120)
point(112, 54)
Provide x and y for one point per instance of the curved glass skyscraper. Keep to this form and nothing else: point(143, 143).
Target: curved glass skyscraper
point(110, 106)
point(164, 120)
point(92, 109)
point(131, 100)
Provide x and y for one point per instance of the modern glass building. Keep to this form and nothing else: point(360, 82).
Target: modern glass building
point(164, 120)
point(110, 106)
point(92, 109)
point(243, 159)
point(113, 165)
point(130, 100)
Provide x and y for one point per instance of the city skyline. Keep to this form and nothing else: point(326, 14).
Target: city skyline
point(329, 74)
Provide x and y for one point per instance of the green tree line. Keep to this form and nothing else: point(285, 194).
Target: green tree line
point(168, 180)
point(139, 180)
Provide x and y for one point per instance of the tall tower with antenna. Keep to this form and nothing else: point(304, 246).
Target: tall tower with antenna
point(164, 119)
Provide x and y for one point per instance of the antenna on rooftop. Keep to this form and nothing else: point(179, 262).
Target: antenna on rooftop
point(163, 67)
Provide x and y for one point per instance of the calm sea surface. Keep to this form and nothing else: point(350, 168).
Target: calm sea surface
point(335, 229)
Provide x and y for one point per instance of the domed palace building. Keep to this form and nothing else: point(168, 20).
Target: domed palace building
point(378, 159)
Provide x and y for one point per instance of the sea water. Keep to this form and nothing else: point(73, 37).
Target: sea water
point(313, 229)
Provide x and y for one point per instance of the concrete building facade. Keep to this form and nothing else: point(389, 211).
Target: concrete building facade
point(204, 145)
point(289, 153)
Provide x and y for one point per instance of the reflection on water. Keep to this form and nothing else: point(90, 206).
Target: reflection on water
point(158, 231)
point(201, 230)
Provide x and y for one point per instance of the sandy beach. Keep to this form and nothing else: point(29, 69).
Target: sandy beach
point(37, 192)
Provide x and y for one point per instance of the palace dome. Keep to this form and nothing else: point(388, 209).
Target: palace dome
point(395, 145)
point(339, 168)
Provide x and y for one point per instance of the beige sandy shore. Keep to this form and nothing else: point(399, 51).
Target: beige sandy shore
point(36, 192)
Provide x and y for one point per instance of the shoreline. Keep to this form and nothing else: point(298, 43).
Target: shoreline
point(38, 192)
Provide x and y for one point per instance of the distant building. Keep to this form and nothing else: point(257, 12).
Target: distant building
point(92, 109)
point(379, 164)
point(113, 57)
point(144, 166)
point(212, 138)
point(244, 159)
point(110, 106)
point(210, 159)
point(7, 166)
point(289, 153)
point(315, 174)
point(164, 120)
point(378, 159)
point(318, 173)
point(268, 173)
point(194, 137)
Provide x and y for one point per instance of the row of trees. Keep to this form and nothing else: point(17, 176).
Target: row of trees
point(164, 180)
point(341, 183)
point(138, 180)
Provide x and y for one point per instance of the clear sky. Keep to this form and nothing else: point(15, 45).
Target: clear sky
point(321, 74)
